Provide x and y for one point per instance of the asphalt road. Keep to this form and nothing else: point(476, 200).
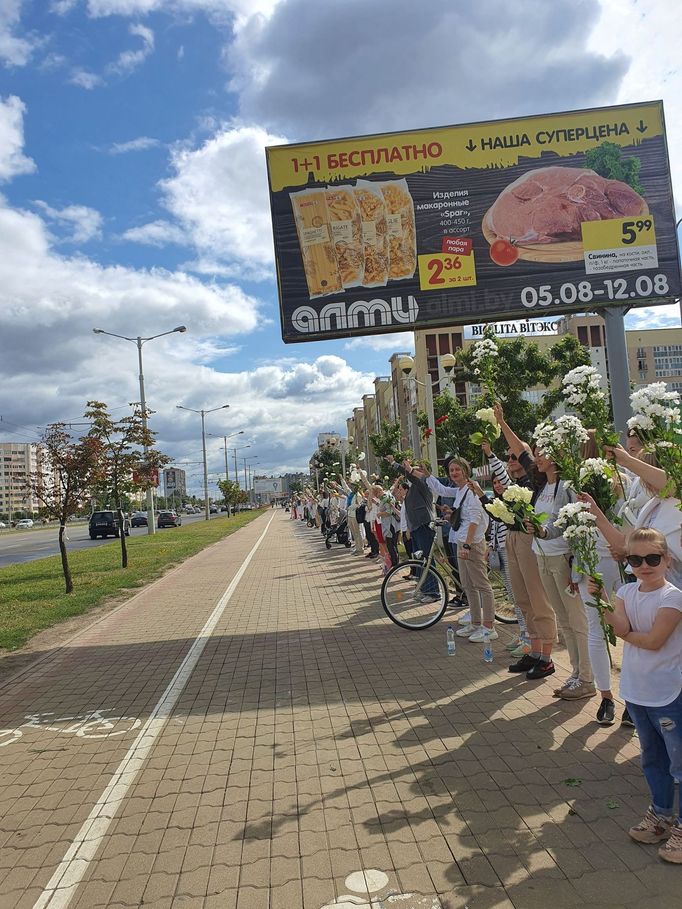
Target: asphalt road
point(27, 545)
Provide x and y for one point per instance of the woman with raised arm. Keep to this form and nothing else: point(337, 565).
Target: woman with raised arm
point(529, 592)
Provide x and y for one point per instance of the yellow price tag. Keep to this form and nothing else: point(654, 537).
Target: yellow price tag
point(619, 233)
point(442, 272)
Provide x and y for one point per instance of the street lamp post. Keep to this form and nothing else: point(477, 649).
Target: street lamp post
point(203, 413)
point(406, 365)
point(139, 341)
point(225, 438)
point(247, 488)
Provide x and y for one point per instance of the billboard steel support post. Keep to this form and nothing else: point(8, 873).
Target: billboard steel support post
point(619, 372)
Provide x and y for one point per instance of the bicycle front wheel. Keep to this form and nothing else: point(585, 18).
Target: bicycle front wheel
point(412, 598)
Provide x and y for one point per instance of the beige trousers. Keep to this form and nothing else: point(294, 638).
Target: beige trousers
point(473, 573)
point(555, 574)
point(529, 593)
point(355, 531)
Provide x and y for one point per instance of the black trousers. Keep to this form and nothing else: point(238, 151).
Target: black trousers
point(371, 539)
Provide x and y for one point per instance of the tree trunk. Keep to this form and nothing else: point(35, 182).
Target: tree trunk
point(68, 581)
point(122, 535)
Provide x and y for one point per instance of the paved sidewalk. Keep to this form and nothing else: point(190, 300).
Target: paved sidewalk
point(317, 755)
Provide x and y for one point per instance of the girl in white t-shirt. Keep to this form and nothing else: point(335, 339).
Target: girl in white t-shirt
point(648, 617)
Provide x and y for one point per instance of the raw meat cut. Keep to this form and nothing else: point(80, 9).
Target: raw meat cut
point(549, 204)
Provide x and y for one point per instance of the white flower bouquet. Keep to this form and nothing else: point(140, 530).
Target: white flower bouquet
point(484, 357)
point(582, 390)
point(515, 508)
point(562, 442)
point(600, 479)
point(579, 527)
point(658, 425)
point(490, 428)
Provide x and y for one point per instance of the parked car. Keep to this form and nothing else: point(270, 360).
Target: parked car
point(105, 524)
point(2, 525)
point(139, 519)
point(213, 509)
point(24, 523)
point(169, 519)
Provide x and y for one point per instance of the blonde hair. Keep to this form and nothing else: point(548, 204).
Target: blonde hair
point(463, 464)
point(650, 536)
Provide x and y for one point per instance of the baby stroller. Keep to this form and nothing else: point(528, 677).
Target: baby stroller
point(340, 531)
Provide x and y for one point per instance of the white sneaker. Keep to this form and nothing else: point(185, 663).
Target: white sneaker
point(479, 634)
point(466, 630)
point(464, 619)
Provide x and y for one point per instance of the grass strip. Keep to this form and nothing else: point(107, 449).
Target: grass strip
point(32, 593)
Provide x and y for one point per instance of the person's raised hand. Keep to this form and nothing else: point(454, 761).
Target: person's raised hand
point(486, 449)
point(499, 413)
point(475, 488)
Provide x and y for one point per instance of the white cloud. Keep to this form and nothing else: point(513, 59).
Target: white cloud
point(142, 143)
point(651, 34)
point(399, 341)
point(357, 67)
point(220, 10)
point(653, 317)
point(85, 79)
point(218, 194)
point(12, 159)
point(129, 60)
point(14, 51)
point(50, 303)
point(156, 233)
point(85, 223)
point(62, 7)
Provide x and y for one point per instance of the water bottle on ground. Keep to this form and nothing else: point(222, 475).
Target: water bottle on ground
point(487, 648)
point(451, 640)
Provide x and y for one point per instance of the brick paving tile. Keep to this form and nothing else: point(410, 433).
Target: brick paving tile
point(312, 741)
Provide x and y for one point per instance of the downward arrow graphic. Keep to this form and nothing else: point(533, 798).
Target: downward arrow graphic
point(642, 128)
point(470, 145)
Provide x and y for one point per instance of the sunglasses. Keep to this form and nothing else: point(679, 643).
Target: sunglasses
point(512, 457)
point(652, 560)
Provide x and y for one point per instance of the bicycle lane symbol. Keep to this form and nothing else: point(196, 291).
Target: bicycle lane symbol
point(370, 883)
point(92, 725)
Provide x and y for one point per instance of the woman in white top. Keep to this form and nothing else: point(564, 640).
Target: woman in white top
point(648, 617)
point(658, 513)
point(468, 534)
point(554, 564)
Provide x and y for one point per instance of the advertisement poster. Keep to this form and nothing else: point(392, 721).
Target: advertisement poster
point(512, 219)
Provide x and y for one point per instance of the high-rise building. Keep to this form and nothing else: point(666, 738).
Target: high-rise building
point(17, 461)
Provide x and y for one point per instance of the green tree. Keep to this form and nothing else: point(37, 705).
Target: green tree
point(387, 442)
point(233, 494)
point(129, 460)
point(520, 365)
point(69, 472)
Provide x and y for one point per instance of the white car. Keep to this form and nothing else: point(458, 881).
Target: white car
point(2, 525)
point(24, 523)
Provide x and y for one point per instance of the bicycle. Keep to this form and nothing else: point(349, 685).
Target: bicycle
point(92, 725)
point(403, 598)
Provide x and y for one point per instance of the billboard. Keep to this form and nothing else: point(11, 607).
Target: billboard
point(511, 219)
point(273, 486)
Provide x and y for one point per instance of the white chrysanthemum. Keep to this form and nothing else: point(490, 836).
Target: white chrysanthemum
point(516, 493)
point(500, 511)
point(487, 415)
point(596, 467)
point(574, 513)
point(361, 456)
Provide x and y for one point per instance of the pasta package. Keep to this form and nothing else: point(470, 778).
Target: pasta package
point(370, 201)
point(402, 234)
point(346, 226)
point(315, 241)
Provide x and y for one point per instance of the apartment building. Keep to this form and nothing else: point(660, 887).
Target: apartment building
point(17, 461)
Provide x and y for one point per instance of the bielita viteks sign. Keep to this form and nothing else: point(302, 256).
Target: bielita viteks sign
point(523, 218)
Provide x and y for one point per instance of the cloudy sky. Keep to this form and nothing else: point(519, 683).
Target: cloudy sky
point(133, 191)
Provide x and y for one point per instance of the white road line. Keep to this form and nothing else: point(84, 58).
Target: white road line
point(63, 884)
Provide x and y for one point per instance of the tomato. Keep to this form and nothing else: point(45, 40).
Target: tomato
point(502, 252)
